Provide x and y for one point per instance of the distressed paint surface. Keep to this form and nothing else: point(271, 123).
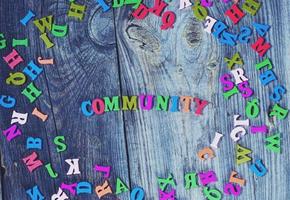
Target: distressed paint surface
point(111, 54)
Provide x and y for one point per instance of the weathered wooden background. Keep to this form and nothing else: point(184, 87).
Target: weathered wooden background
point(111, 54)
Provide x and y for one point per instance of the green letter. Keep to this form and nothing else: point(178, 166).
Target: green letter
point(111, 104)
point(162, 102)
point(190, 180)
point(59, 141)
point(132, 103)
point(120, 187)
point(273, 143)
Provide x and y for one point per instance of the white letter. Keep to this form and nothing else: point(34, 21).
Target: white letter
point(236, 132)
point(184, 4)
point(74, 166)
point(216, 140)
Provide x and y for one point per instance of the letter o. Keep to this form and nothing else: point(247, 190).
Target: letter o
point(137, 194)
point(98, 106)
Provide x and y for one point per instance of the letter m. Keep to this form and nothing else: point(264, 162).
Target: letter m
point(112, 104)
point(32, 162)
point(260, 46)
point(129, 104)
point(242, 155)
point(273, 143)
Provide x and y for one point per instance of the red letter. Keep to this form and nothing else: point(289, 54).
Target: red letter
point(235, 13)
point(261, 47)
point(31, 162)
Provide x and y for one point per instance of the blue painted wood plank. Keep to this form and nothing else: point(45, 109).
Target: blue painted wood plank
point(182, 61)
point(188, 61)
point(85, 68)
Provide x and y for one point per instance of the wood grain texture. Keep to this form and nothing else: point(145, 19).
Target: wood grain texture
point(188, 61)
point(1, 182)
point(86, 67)
point(111, 54)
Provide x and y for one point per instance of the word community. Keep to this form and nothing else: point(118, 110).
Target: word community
point(143, 102)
